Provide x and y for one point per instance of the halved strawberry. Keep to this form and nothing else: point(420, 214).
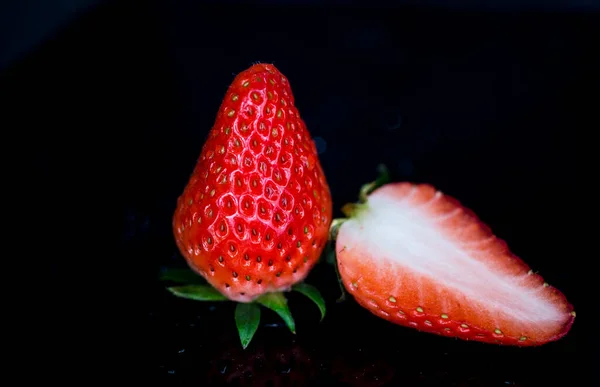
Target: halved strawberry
point(418, 258)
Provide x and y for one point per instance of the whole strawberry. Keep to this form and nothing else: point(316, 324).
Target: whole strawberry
point(255, 214)
point(418, 258)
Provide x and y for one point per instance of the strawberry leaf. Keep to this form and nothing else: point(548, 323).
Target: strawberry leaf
point(247, 318)
point(179, 275)
point(278, 304)
point(197, 292)
point(312, 293)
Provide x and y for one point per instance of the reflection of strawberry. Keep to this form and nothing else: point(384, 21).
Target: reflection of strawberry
point(266, 365)
point(358, 369)
point(255, 213)
point(418, 258)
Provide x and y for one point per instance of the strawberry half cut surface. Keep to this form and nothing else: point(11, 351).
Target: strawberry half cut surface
point(416, 257)
point(254, 217)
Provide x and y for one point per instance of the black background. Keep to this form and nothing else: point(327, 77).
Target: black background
point(488, 106)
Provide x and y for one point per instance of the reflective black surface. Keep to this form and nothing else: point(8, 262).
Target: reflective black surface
point(487, 107)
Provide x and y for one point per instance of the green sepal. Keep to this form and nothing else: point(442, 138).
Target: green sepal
point(382, 179)
point(313, 294)
point(197, 293)
point(278, 304)
point(180, 275)
point(247, 319)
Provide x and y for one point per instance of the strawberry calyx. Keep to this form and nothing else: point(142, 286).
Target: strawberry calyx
point(382, 179)
point(192, 286)
point(351, 210)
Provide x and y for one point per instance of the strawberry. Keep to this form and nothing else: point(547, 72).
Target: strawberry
point(255, 214)
point(418, 258)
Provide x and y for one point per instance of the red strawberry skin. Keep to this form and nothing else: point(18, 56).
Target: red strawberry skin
point(255, 214)
point(419, 259)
